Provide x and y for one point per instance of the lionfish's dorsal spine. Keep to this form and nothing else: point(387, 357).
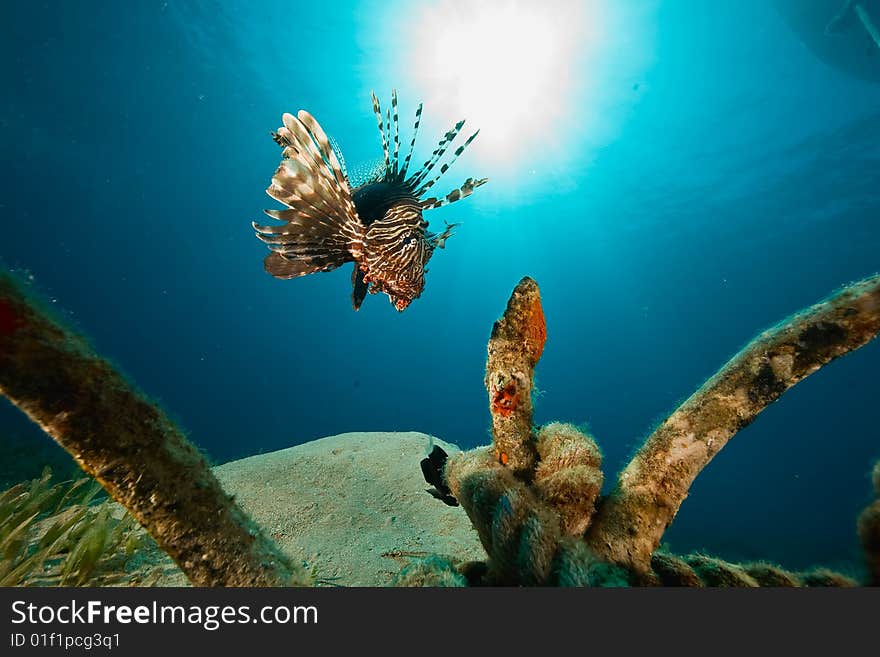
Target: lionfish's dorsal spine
point(419, 183)
point(389, 167)
point(377, 110)
point(455, 195)
point(443, 169)
point(435, 156)
point(412, 144)
point(394, 118)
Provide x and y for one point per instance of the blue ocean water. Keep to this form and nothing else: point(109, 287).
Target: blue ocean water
point(701, 175)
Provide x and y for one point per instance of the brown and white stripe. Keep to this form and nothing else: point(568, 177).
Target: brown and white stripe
point(379, 225)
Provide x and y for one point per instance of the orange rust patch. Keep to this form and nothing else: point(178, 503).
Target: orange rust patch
point(504, 401)
point(536, 329)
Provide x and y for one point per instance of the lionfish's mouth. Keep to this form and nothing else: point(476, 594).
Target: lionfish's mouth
point(401, 304)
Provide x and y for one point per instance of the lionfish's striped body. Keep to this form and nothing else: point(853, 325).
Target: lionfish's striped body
point(378, 225)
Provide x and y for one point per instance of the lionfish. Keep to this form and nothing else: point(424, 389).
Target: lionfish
point(378, 225)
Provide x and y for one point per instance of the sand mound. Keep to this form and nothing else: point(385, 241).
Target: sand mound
point(352, 506)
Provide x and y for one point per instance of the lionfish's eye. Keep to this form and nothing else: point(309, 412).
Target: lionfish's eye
point(409, 239)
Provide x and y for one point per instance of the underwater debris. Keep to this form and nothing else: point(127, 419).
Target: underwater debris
point(515, 347)
point(132, 448)
point(569, 474)
point(521, 532)
point(649, 491)
point(378, 225)
point(530, 495)
point(534, 510)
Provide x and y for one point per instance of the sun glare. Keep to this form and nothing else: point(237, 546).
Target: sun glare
point(506, 66)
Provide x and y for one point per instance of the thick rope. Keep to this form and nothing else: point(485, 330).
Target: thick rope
point(698, 570)
point(532, 496)
point(631, 521)
point(132, 448)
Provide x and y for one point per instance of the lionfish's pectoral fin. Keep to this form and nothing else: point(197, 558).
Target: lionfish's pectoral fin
point(281, 266)
point(279, 139)
point(321, 229)
point(358, 287)
point(439, 241)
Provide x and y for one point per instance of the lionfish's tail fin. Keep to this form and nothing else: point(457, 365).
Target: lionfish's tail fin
point(320, 229)
point(455, 195)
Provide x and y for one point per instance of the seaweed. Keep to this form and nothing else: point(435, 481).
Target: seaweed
point(59, 534)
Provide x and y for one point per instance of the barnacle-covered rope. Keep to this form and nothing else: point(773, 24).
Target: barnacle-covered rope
point(131, 446)
point(699, 570)
point(630, 522)
point(531, 495)
point(515, 347)
point(534, 495)
point(524, 533)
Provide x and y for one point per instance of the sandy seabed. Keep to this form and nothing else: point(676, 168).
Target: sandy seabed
point(354, 506)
